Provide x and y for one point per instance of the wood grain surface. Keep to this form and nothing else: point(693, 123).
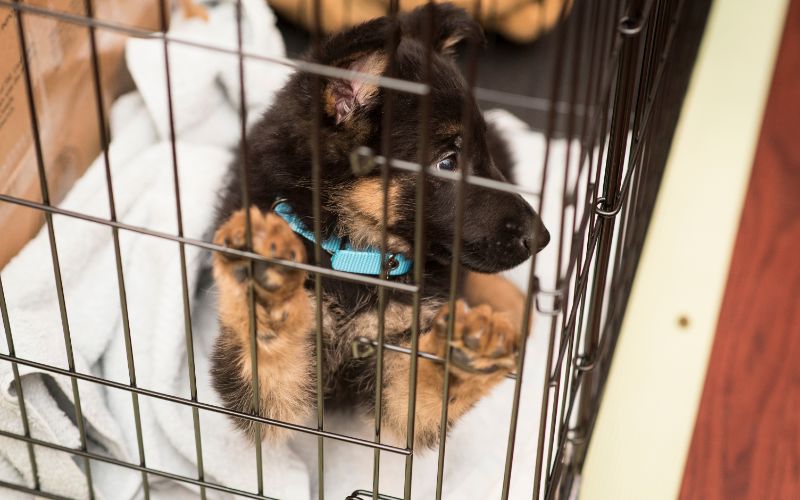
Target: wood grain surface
point(746, 442)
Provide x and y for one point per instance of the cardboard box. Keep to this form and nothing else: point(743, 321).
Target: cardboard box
point(63, 86)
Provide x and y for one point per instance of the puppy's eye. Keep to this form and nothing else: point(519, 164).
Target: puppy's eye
point(448, 163)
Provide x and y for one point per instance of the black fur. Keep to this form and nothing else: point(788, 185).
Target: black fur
point(500, 229)
point(235, 390)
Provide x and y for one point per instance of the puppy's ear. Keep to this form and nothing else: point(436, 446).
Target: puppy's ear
point(362, 49)
point(445, 25)
point(344, 97)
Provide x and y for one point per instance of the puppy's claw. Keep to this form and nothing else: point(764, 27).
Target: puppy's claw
point(271, 237)
point(483, 341)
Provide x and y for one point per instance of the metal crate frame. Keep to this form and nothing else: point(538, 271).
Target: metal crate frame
point(608, 106)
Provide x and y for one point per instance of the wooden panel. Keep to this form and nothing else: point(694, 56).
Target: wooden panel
point(746, 441)
point(644, 428)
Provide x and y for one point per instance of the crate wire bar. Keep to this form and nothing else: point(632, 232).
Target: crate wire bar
point(607, 72)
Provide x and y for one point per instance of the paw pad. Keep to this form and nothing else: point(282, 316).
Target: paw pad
point(483, 340)
point(271, 237)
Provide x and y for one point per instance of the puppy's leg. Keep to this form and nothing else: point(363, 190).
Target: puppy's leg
point(283, 321)
point(496, 291)
point(483, 351)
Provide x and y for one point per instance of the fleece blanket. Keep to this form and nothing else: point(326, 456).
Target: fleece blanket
point(205, 98)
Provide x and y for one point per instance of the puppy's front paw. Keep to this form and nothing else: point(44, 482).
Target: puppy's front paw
point(484, 341)
point(272, 237)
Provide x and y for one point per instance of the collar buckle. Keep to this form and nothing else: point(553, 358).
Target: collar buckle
point(391, 264)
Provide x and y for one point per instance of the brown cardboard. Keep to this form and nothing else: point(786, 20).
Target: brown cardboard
point(63, 85)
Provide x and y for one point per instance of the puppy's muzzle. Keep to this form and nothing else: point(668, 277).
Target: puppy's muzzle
point(537, 239)
point(529, 232)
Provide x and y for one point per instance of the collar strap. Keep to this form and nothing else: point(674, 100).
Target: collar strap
point(343, 256)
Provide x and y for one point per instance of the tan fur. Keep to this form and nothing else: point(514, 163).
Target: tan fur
point(496, 291)
point(397, 319)
point(284, 316)
point(486, 338)
point(329, 100)
point(193, 9)
point(361, 207)
point(372, 63)
point(449, 129)
point(285, 388)
point(366, 196)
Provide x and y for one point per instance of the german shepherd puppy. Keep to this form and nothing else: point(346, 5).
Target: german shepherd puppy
point(500, 231)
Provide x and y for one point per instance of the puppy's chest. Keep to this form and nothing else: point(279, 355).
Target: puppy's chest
point(342, 327)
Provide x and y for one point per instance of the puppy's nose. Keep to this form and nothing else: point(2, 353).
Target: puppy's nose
point(542, 238)
point(538, 239)
point(530, 234)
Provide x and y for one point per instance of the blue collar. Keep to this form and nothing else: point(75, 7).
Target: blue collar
point(343, 256)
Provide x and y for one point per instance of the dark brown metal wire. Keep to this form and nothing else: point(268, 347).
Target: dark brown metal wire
point(629, 41)
point(373, 344)
point(486, 95)
point(45, 193)
point(556, 382)
point(123, 299)
point(458, 232)
point(187, 314)
point(419, 248)
point(630, 29)
point(23, 412)
point(356, 278)
point(316, 172)
point(113, 461)
point(555, 90)
point(386, 146)
point(251, 300)
point(205, 406)
point(32, 491)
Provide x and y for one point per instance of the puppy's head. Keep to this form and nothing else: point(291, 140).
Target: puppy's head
point(500, 230)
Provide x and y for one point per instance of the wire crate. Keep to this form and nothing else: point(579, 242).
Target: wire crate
point(611, 63)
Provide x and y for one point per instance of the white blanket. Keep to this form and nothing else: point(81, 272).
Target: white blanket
point(205, 92)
